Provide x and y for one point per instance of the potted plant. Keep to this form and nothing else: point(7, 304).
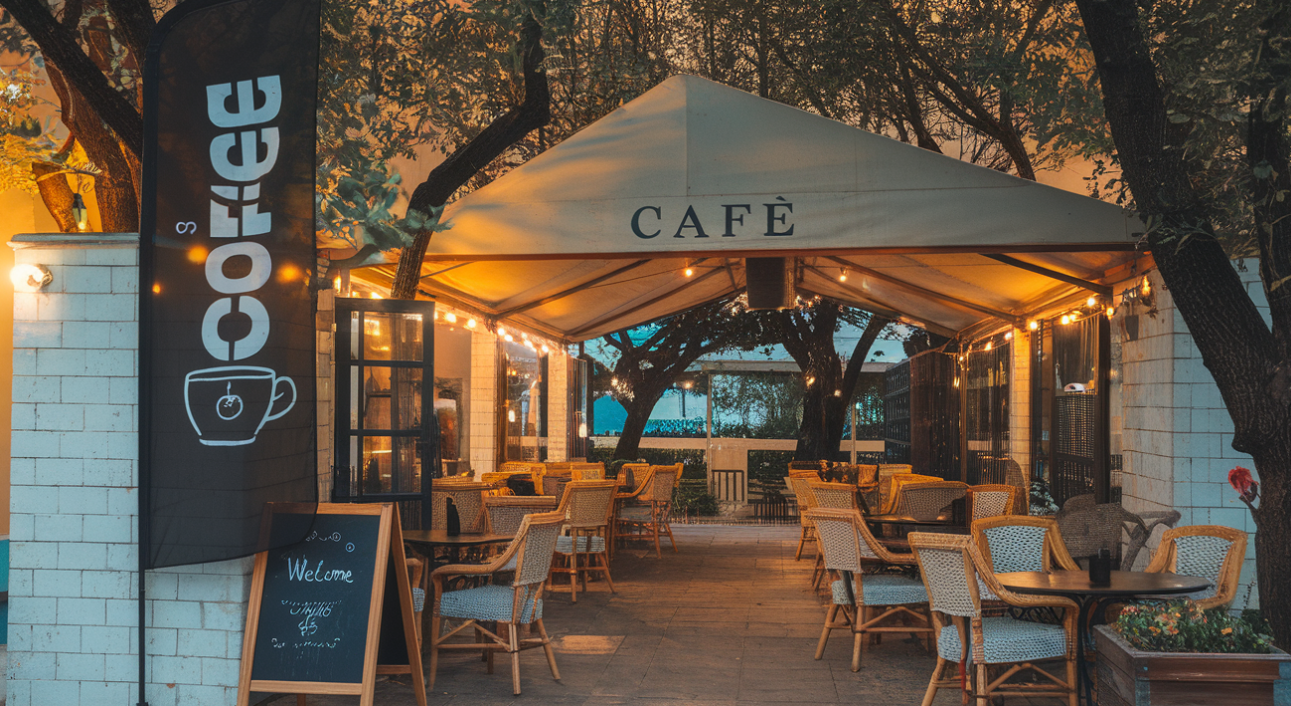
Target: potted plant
point(1172, 653)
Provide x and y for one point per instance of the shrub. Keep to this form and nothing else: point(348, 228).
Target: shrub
point(692, 460)
point(1178, 626)
point(693, 499)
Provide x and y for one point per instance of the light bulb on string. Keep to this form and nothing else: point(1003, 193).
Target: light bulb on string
point(1033, 325)
point(1064, 320)
point(1091, 302)
point(842, 275)
point(470, 323)
point(450, 317)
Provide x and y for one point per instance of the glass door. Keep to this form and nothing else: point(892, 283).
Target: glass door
point(386, 432)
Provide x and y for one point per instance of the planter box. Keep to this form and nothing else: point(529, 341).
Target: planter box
point(1128, 677)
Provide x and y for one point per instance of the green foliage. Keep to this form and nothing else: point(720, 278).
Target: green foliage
point(693, 498)
point(767, 405)
point(769, 465)
point(23, 138)
point(1178, 626)
point(1042, 502)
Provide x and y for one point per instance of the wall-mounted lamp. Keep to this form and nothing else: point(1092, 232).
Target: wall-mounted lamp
point(80, 213)
point(30, 278)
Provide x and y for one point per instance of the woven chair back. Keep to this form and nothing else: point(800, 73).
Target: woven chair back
point(1088, 526)
point(866, 475)
point(663, 479)
point(813, 466)
point(845, 540)
point(589, 474)
point(887, 471)
point(1014, 476)
point(892, 498)
point(638, 471)
point(506, 513)
point(1021, 543)
point(467, 498)
point(991, 500)
point(1209, 551)
point(537, 540)
point(949, 572)
point(587, 502)
point(840, 496)
point(925, 501)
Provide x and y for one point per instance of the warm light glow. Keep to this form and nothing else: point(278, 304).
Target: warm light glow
point(838, 393)
point(545, 349)
point(1147, 286)
point(336, 284)
point(450, 317)
point(374, 295)
point(1033, 325)
point(687, 385)
point(988, 345)
point(502, 331)
point(582, 430)
point(288, 273)
point(197, 253)
point(1091, 302)
point(80, 213)
point(689, 271)
point(614, 381)
point(511, 415)
point(510, 338)
point(810, 379)
point(1008, 335)
point(842, 276)
point(29, 278)
point(1064, 320)
point(470, 323)
point(156, 289)
point(1111, 312)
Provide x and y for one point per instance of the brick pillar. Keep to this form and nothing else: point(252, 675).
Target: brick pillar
point(72, 588)
point(557, 406)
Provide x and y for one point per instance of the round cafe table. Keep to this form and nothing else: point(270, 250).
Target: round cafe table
point(1088, 596)
point(439, 538)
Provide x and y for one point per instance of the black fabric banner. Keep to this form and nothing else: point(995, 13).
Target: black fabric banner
point(227, 407)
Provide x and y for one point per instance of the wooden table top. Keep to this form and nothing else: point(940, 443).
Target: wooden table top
point(908, 520)
point(1123, 583)
point(440, 538)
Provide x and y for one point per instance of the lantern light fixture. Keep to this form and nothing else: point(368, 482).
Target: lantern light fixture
point(80, 213)
point(30, 278)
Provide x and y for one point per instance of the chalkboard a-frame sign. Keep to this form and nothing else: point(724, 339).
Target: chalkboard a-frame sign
point(324, 615)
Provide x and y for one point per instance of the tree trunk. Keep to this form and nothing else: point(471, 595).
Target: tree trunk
point(633, 427)
point(56, 194)
point(1273, 536)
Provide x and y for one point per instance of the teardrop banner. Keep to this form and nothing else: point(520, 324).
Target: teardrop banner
point(227, 260)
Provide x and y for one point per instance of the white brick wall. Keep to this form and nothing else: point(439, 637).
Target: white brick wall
point(1020, 401)
point(484, 401)
point(1177, 433)
point(73, 620)
point(557, 406)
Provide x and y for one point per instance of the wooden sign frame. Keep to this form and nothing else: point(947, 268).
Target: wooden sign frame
point(389, 552)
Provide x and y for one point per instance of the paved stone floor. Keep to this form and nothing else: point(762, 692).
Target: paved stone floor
point(729, 620)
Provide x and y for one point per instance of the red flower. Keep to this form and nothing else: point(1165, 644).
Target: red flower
point(1246, 486)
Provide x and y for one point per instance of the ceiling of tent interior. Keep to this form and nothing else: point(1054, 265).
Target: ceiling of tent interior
point(594, 235)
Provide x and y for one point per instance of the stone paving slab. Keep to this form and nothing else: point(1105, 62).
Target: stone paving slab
point(730, 620)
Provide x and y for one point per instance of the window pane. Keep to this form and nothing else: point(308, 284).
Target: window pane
point(391, 398)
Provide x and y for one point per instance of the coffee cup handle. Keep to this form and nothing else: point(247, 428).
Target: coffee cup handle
point(279, 395)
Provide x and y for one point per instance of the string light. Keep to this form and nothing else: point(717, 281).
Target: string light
point(1147, 286)
point(988, 345)
point(450, 317)
point(810, 379)
point(470, 323)
point(1008, 335)
point(688, 272)
point(1091, 302)
point(842, 275)
point(1033, 325)
point(1111, 311)
point(1064, 320)
point(374, 295)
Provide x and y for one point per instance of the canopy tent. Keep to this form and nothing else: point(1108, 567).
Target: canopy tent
point(593, 235)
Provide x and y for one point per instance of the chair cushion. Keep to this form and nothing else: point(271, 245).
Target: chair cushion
point(1008, 640)
point(884, 589)
point(565, 545)
point(486, 603)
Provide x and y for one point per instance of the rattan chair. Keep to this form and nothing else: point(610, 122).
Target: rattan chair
point(806, 501)
point(588, 471)
point(1022, 543)
point(839, 496)
point(927, 501)
point(519, 603)
point(873, 601)
point(1209, 551)
point(467, 497)
point(587, 506)
point(639, 472)
point(888, 471)
point(956, 574)
point(991, 500)
point(652, 518)
point(1014, 476)
point(892, 497)
point(505, 513)
point(816, 467)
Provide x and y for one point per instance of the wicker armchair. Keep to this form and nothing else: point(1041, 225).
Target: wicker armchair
point(1011, 543)
point(587, 506)
point(892, 498)
point(816, 467)
point(839, 496)
point(955, 574)
point(888, 471)
point(467, 496)
point(1014, 476)
point(873, 601)
point(639, 472)
point(520, 603)
point(926, 501)
point(806, 501)
point(991, 500)
point(1208, 551)
point(506, 513)
point(588, 471)
point(653, 517)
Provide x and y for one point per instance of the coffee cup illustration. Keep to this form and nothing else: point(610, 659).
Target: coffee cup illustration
point(229, 405)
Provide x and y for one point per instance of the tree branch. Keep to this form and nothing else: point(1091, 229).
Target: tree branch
point(59, 46)
point(135, 21)
point(465, 162)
